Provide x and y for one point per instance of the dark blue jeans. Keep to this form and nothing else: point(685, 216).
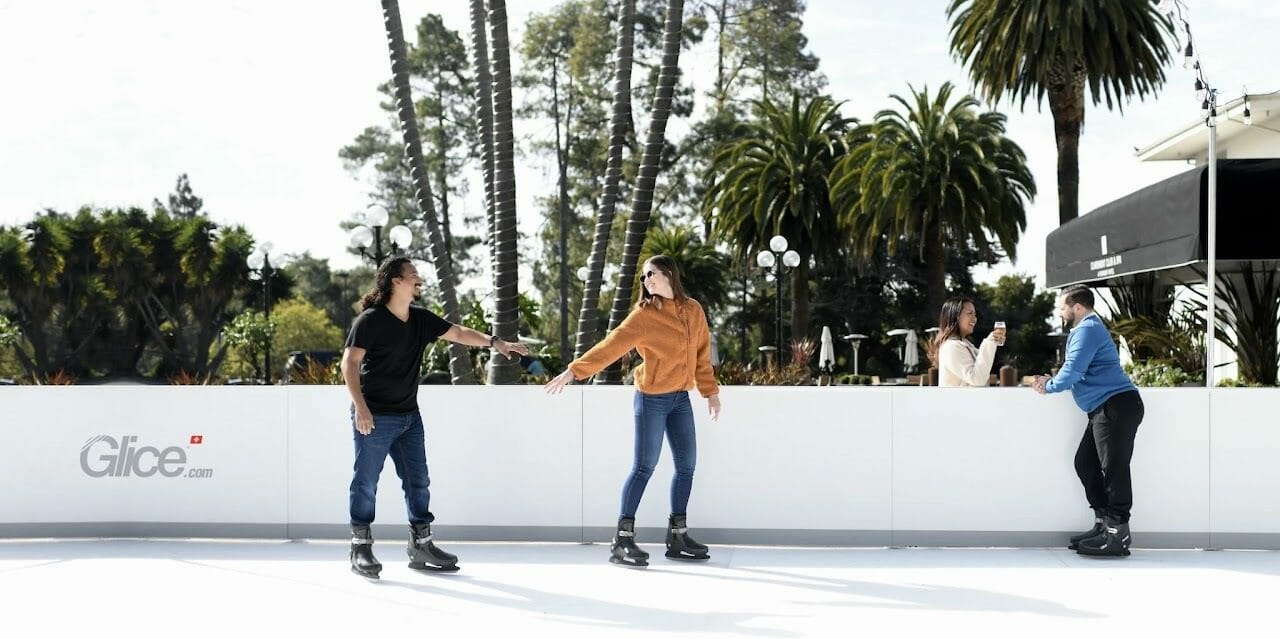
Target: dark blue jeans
point(402, 437)
point(672, 414)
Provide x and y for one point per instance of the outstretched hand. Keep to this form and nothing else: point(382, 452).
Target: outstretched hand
point(558, 382)
point(511, 349)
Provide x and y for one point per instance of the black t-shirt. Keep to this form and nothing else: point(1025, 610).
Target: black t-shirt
point(393, 355)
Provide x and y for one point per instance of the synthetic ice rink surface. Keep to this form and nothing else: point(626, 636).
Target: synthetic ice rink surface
point(199, 588)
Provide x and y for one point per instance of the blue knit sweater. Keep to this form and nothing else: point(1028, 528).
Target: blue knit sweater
point(1092, 369)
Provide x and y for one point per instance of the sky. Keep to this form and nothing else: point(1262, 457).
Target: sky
point(107, 103)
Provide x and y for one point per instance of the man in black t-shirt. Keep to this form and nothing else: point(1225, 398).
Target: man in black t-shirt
point(381, 366)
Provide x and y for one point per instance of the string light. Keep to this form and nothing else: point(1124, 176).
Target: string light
point(1206, 94)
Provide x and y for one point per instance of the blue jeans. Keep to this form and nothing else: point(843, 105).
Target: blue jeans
point(402, 437)
point(672, 414)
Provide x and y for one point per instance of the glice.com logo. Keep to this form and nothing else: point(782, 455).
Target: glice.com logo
point(124, 458)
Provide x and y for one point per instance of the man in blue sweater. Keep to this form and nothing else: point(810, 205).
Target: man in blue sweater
point(1105, 393)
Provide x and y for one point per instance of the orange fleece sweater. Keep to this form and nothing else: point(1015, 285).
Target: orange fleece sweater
point(674, 342)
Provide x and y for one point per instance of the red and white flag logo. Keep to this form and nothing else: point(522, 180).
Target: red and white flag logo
point(197, 439)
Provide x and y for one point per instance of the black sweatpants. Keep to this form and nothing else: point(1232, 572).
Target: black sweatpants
point(1102, 461)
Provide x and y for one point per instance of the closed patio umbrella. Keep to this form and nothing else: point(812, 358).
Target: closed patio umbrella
point(827, 356)
point(911, 359)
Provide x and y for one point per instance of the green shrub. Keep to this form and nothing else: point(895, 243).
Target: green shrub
point(1160, 374)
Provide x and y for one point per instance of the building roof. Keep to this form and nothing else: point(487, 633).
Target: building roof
point(1192, 141)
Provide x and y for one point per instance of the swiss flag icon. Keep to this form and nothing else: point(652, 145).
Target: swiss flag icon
point(197, 439)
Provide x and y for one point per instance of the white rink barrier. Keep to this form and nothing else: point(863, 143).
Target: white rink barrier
point(838, 466)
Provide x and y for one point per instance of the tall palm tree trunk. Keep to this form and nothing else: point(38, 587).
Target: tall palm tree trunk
point(484, 112)
point(442, 148)
point(935, 259)
point(506, 320)
point(588, 315)
point(642, 197)
point(562, 205)
point(459, 357)
point(800, 297)
point(1066, 103)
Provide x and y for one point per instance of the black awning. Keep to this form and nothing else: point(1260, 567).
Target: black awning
point(1163, 227)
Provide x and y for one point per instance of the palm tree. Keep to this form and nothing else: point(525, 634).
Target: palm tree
point(704, 271)
point(773, 181)
point(618, 127)
point(484, 110)
point(213, 275)
point(32, 263)
point(506, 318)
point(642, 195)
point(125, 253)
point(1247, 320)
point(1252, 299)
point(1115, 48)
point(459, 357)
point(936, 174)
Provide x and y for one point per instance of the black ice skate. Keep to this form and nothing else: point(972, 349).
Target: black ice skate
point(1098, 528)
point(680, 545)
point(1114, 542)
point(624, 551)
point(423, 553)
point(363, 562)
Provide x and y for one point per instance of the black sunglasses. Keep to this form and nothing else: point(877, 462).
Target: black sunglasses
point(648, 274)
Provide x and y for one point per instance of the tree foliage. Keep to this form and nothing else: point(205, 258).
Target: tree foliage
point(124, 292)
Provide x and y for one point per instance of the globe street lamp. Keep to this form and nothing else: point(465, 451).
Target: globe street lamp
point(260, 266)
point(368, 234)
point(773, 260)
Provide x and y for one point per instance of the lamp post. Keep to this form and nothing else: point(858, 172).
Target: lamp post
point(768, 352)
point(260, 266)
point(773, 260)
point(1207, 95)
point(368, 234)
point(855, 340)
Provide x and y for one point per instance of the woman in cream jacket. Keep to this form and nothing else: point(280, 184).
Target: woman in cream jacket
point(960, 363)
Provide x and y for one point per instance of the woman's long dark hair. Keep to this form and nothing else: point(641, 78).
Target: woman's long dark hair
point(381, 293)
point(668, 268)
point(948, 324)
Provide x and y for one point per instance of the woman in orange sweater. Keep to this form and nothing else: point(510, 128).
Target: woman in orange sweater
point(669, 329)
